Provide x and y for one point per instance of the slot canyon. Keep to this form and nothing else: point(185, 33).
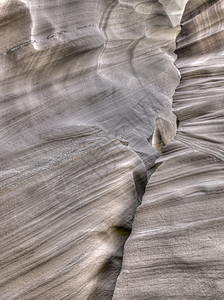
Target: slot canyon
point(112, 149)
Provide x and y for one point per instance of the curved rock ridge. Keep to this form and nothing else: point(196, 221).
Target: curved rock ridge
point(175, 250)
point(114, 55)
point(82, 85)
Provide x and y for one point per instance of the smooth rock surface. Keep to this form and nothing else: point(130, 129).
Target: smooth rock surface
point(175, 250)
point(82, 85)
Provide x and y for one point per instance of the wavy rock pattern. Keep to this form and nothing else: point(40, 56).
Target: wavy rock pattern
point(175, 250)
point(82, 84)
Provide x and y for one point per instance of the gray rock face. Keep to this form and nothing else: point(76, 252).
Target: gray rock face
point(84, 86)
point(175, 250)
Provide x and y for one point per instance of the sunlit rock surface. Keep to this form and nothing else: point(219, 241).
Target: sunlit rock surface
point(175, 250)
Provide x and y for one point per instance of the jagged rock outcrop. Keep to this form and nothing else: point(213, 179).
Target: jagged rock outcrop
point(82, 84)
point(175, 250)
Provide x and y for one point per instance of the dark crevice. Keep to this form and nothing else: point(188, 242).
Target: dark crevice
point(162, 135)
point(110, 270)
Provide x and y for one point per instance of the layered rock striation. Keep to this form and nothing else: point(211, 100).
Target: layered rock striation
point(175, 250)
point(86, 88)
point(82, 85)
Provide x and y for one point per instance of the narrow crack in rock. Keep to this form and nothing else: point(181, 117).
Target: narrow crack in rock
point(86, 89)
point(175, 250)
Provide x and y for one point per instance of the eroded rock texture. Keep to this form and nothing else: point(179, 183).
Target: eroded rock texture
point(175, 250)
point(82, 85)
